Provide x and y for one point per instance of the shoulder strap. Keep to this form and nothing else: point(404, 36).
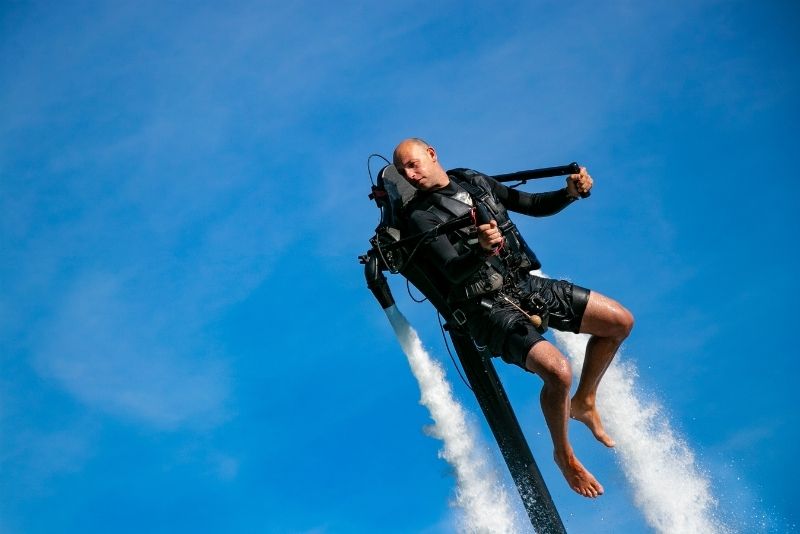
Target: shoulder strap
point(473, 183)
point(454, 207)
point(450, 205)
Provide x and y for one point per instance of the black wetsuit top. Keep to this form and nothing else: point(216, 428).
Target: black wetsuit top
point(459, 267)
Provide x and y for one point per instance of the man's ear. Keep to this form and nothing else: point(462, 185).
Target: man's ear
point(432, 152)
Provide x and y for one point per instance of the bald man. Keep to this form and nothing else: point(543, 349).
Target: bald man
point(488, 271)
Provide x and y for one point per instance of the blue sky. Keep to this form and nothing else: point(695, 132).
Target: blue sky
point(187, 342)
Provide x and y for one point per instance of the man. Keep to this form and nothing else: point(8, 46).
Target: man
point(501, 303)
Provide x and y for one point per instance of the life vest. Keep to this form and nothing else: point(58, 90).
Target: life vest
point(514, 259)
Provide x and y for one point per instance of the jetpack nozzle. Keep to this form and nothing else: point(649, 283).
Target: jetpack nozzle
point(376, 282)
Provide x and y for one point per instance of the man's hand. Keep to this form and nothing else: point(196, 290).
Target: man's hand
point(579, 184)
point(489, 236)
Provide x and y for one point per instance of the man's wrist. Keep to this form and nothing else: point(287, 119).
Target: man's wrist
point(569, 196)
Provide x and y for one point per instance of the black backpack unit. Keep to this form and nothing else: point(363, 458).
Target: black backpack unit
point(396, 251)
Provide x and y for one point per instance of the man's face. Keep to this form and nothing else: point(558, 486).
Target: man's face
point(420, 167)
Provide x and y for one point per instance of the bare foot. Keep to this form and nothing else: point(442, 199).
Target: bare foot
point(588, 415)
point(578, 477)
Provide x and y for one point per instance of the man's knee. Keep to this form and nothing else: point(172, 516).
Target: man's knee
point(558, 377)
point(618, 324)
point(551, 366)
point(606, 317)
point(623, 321)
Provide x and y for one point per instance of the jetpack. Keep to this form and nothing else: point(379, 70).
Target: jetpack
point(400, 254)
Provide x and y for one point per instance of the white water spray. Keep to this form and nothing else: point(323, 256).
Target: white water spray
point(479, 493)
point(668, 487)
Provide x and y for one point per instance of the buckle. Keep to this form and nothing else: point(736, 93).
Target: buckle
point(460, 317)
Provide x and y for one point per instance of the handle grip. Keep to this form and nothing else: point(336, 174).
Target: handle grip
point(482, 215)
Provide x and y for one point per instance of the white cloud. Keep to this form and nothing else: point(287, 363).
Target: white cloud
point(103, 349)
point(32, 457)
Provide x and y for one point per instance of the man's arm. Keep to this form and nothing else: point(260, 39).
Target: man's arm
point(456, 267)
point(543, 204)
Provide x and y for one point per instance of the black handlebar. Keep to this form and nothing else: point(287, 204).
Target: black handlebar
point(546, 172)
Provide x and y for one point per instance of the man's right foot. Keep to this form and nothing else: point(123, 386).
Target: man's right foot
point(588, 415)
point(578, 477)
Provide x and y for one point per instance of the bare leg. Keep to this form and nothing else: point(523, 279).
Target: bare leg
point(546, 361)
point(609, 323)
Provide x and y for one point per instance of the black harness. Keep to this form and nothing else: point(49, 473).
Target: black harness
point(500, 271)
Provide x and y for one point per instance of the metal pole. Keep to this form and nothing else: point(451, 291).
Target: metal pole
point(500, 415)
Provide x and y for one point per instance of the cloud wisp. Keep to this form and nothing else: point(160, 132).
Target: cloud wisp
point(107, 354)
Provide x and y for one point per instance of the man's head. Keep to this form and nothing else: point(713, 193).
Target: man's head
point(416, 160)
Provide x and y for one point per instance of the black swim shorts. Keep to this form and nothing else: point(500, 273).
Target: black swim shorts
point(508, 333)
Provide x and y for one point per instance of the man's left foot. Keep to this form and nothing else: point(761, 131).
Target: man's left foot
point(589, 416)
